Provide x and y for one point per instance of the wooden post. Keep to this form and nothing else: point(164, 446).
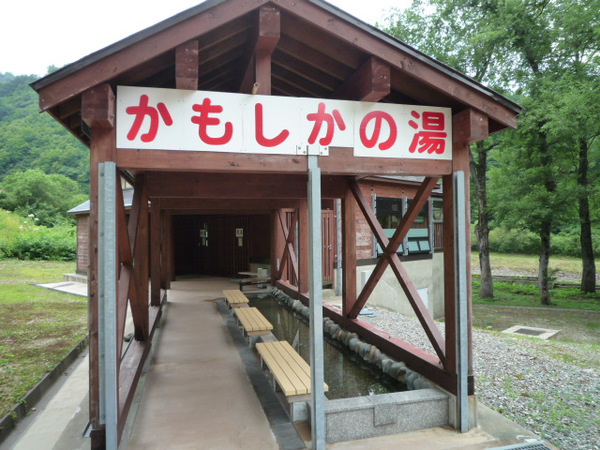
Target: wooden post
point(98, 112)
point(169, 250)
point(277, 246)
point(467, 127)
point(139, 302)
point(348, 252)
point(164, 258)
point(303, 244)
point(156, 262)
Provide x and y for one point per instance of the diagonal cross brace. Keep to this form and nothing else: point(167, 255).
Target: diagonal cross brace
point(391, 258)
point(288, 253)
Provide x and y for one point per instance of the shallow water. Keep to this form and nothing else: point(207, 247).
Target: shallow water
point(346, 374)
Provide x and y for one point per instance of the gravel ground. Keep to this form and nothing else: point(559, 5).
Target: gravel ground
point(521, 379)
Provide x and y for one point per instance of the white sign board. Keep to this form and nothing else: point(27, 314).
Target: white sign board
point(172, 119)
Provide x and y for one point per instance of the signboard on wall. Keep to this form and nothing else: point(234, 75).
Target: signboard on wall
point(172, 119)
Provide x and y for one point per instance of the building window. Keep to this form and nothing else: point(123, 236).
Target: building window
point(389, 212)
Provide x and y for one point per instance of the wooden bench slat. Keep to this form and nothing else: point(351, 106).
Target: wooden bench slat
point(287, 366)
point(252, 319)
point(285, 382)
point(235, 297)
point(284, 350)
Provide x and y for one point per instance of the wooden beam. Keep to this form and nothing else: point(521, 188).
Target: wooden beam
point(259, 66)
point(196, 206)
point(469, 126)
point(348, 252)
point(186, 65)
point(98, 107)
point(339, 162)
point(370, 83)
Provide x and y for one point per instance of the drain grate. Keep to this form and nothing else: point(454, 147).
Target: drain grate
point(534, 445)
point(529, 331)
point(540, 333)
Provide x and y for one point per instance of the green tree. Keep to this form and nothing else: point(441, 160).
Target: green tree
point(44, 198)
point(29, 139)
point(525, 47)
point(432, 27)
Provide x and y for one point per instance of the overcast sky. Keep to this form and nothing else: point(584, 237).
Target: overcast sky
point(35, 34)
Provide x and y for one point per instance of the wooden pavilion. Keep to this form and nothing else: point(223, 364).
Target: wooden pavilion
point(305, 49)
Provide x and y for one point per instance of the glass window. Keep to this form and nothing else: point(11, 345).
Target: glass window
point(389, 212)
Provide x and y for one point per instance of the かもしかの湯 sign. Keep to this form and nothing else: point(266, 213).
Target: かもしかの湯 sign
point(171, 119)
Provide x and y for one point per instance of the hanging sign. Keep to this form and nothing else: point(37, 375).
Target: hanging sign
point(173, 119)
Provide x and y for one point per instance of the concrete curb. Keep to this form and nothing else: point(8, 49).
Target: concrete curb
point(9, 422)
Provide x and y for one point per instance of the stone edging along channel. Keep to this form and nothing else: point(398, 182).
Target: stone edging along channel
point(9, 422)
point(368, 352)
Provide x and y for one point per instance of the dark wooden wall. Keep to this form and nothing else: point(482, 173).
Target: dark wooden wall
point(223, 256)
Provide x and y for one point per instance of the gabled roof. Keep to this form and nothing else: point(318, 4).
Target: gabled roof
point(319, 50)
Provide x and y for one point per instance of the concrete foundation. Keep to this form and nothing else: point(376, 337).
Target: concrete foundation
point(380, 415)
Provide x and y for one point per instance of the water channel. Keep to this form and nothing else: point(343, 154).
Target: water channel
point(346, 374)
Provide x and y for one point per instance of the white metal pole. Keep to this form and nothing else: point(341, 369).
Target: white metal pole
point(462, 341)
point(316, 304)
point(107, 288)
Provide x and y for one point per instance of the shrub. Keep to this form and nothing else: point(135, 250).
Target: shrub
point(21, 239)
point(513, 241)
point(565, 243)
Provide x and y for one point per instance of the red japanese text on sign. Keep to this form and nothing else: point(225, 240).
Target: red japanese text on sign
point(170, 119)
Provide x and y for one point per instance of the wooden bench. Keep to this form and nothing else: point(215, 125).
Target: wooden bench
point(252, 322)
point(252, 281)
point(235, 298)
point(289, 371)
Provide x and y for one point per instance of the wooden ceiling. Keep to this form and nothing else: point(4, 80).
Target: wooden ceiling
point(319, 51)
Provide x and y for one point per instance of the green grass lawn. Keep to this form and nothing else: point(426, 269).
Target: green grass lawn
point(39, 327)
point(530, 263)
point(512, 294)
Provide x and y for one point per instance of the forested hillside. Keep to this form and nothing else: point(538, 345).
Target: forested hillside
point(30, 140)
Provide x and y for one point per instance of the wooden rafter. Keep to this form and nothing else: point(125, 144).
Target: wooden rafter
point(427, 322)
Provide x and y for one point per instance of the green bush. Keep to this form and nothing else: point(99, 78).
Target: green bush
point(20, 238)
point(565, 243)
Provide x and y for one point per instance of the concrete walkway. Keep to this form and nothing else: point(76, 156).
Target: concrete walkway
point(197, 393)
